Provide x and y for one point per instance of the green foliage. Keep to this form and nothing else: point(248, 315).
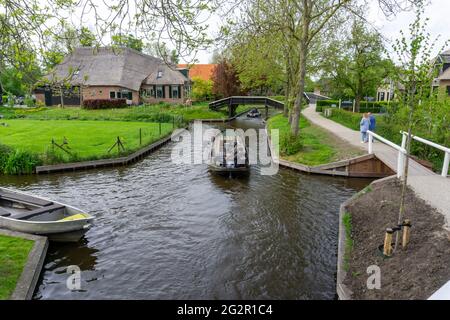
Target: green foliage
point(128, 41)
point(202, 89)
point(357, 66)
point(289, 144)
point(20, 162)
point(366, 106)
point(29, 101)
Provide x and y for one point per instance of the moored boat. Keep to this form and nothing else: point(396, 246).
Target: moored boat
point(35, 215)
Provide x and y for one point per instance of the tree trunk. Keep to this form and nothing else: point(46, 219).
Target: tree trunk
point(61, 91)
point(296, 111)
point(287, 97)
point(358, 99)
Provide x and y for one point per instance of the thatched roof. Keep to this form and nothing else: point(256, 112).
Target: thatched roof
point(165, 74)
point(107, 66)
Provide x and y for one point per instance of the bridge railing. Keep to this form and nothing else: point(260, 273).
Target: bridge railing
point(434, 145)
point(401, 151)
point(246, 100)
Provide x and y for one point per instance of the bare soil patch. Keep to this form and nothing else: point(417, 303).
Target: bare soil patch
point(414, 273)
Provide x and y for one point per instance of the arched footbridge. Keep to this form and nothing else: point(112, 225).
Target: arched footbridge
point(233, 102)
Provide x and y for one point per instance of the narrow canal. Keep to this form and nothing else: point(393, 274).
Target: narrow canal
point(168, 231)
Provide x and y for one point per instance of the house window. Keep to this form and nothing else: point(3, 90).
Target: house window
point(119, 95)
point(112, 95)
point(381, 96)
point(160, 91)
point(152, 92)
point(175, 92)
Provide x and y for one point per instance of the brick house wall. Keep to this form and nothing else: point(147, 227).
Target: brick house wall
point(103, 92)
point(151, 100)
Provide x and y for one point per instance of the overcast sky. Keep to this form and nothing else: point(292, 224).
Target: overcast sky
point(438, 11)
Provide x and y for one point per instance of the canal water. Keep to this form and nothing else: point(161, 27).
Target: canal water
point(177, 231)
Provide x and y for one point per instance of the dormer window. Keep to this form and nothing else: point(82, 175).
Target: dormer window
point(160, 74)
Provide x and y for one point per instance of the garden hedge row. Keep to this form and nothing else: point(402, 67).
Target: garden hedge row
point(366, 106)
point(92, 104)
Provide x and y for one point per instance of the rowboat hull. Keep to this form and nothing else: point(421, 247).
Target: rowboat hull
point(57, 224)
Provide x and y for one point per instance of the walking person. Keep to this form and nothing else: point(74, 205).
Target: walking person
point(372, 123)
point(364, 127)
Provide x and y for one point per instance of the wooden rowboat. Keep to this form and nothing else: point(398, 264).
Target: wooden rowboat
point(35, 215)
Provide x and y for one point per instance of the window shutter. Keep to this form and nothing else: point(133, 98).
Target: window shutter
point(154, 91)
point(164, 91)
point(170, 92)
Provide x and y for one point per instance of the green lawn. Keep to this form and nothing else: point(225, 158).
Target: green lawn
point(318, 146)
point(86, 139)
point(148, 113)
point(13, 257)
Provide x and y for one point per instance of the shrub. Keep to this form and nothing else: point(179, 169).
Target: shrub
point(104, 103)
point(21, 162)
point(4, 155)
point(290, 144)
point(29, 101)
point(321, 104)
point(349, 119)
point(365, 106)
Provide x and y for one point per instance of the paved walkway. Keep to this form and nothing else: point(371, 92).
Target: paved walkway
point(429, 186)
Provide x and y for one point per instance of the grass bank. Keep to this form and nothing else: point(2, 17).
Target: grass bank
point(13, 257)
point(86, 140)
point(314, 146)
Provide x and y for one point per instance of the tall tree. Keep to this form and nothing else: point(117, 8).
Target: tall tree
point(226, 80)
point(414, 53)
point(356, 64)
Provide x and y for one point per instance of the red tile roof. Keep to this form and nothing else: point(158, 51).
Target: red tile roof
point(203, 71)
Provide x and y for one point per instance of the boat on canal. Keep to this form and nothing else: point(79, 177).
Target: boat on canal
point(229, 154)
point(254, 113)
point(35, 215)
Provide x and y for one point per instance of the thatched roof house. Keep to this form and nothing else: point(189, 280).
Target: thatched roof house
point(117, 73)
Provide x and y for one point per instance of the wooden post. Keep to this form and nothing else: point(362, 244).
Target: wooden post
point(140, 136)
point(406, 233)
point(387, 251)
point(340, 103)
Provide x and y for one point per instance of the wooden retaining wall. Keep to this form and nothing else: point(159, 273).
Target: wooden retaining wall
point(86, 165)
point(367, 166)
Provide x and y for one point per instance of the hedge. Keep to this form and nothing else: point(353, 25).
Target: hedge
point(365, 106)
point(104, 103)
